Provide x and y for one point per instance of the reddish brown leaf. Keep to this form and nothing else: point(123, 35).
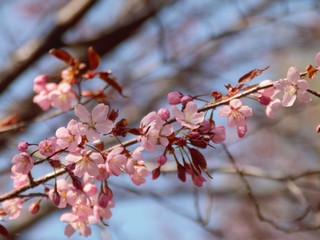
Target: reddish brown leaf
point(10, 120)
point(198, 159)
point(110, 79)
point(3, 231)
point(94, 58)
point(62, 55)
point(250, 75)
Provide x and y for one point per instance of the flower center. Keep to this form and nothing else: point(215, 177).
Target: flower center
point(291, 89)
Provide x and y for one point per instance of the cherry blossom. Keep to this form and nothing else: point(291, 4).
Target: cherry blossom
point(62, 97)
point(48, 147)
point(22, 163)
point(95, 123)
point(293, 87)
point(217, 134)
point(164, 114)
point(63, 188)
point(19, 180)
point(42, 98)
point(139, 174)
point(236, 113)
point(151, 126)
point(69, 137)
point(115, 161)
point(189, 118)
point(13, 207)
point(86, 162)
point(39, 83)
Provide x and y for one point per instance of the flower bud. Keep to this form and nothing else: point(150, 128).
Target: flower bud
point(164, 114)
point(56, 198)
point(162, 160)
point(174, 98)
point(23, 146)
point(103, 200)
point(186, 99)
point(35, 207)
point(156, 173)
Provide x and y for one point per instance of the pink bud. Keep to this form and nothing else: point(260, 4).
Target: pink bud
point(103, 200)
point(56, 198)
point(35, 207)
point(164, 114)
point(186, 99)
point(23, 146)
point(242, 130)
point(174, 98)
point(156, 173)
point(162, 160)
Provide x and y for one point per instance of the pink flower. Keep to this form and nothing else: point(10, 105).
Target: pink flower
point(151, 126)
point(165, 132)
point(136, 156)
point(236, 113)
point(266, 95)
point(272, 106)
point(63, 188)
point(86, 162)
point(317, 59)
point(19, 180)
point(242, 130)
point(22, 164)
point(62, 97)
point(293, 87)
point(95, 123)
point(48, 147)
point(13, 207)
point(79, 220)
point(139, 174)
point(42, 98)
point(115, 161)
point(39, 83)
point(189, 118)
point(69, 137)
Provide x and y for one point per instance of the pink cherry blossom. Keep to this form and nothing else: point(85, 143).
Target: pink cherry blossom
point(266, 95)
point(165, 132)
point(293, 87)
point(272, 106)
point(139, 174)
point(86, 162)
point(63, 188)
point(135, 156)
point(236, 113)
point(39, 83)
point(95, 123)
point(22, 163)
point(13, 207)
point(162, 160)
point(151, 126)
point(42, 98)
point(19, 180)
point(48, 147)
point(69, 137)
point(115, 161)
point(189, 118)
point(62, 97)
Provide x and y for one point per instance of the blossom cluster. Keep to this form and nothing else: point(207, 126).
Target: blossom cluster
point(179, 132)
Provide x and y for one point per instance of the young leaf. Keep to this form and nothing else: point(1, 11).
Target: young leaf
point(109, 78)
point(94, 58)
point(198, 159)
point(251, 75)
point(62, 55)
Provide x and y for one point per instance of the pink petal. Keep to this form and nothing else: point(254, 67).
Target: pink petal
point(293, 75)
point(100, 112)
point(317, 58)
point(247, 111)
point(82, 113)
point(235, 103)
point(225, 111)
point(288, 100)
point(303, 85)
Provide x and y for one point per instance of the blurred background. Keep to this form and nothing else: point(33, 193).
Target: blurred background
point(154, 47)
